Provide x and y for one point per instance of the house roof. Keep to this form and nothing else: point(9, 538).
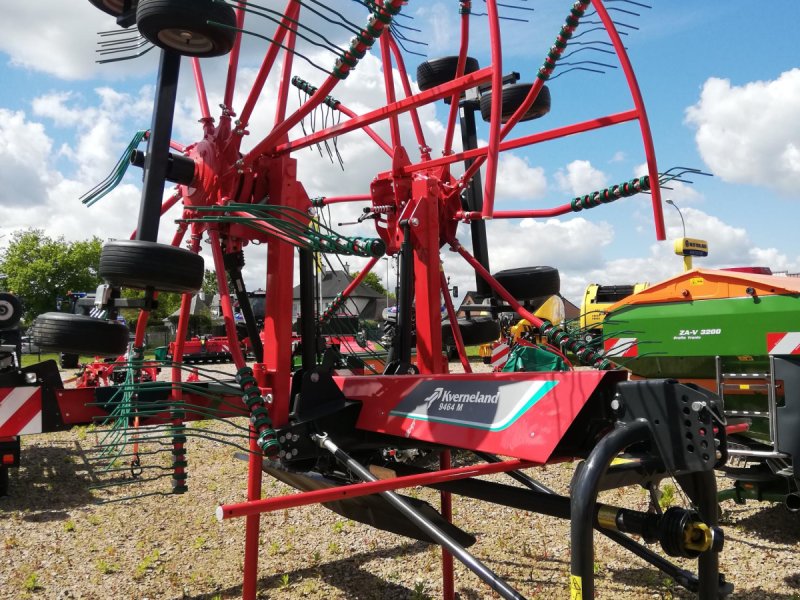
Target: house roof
point(334, 282)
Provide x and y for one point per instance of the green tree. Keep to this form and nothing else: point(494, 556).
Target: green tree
point(210, 286)
point(40, 269)
point(372, 280)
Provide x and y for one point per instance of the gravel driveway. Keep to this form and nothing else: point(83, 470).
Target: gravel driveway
point(58, 543)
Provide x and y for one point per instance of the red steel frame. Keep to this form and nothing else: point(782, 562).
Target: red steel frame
point(430, 209)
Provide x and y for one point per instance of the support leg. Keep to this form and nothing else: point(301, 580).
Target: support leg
point(584, 491)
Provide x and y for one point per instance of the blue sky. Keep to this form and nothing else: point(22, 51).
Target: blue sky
point(721, 85)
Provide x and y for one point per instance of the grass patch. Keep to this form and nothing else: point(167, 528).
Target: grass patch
point(146, 564)
point(31, 582)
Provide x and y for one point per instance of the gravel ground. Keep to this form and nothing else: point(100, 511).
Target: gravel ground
point(59, 543)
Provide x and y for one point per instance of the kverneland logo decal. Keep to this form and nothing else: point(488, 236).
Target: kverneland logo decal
point(444, 396)
point(486, 404)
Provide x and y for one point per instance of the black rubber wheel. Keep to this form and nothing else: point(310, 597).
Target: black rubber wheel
point(10, 310)
point(140, 264)
point(530, 283)
point(441, 70)
point(68, 360)
point(79, 334)
point(513, 96)
point(112, 7)
point(474, 332)
point(183, 26)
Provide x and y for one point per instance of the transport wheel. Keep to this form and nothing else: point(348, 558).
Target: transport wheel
point(530, 283)
point(10, 310)
point(115, 8)
point(441, 70)
point(79, 334)
point(68, 360)
point(140, 264)
point(513, 96)
point(199, 28)
point(474, 332)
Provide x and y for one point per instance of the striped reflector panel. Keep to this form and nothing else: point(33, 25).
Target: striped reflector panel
point(783, 343)
point(20, 411)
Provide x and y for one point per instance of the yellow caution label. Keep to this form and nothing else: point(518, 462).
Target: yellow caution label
point(744, 386)
point(575, 588)
point(697, 281)
point(621, 460)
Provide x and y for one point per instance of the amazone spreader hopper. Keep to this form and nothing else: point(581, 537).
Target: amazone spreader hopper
point(737, 334)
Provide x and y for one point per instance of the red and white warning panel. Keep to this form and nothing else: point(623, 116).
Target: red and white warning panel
point(500, 355)
point(783, 343)
point(20, 410)
point(622, 347)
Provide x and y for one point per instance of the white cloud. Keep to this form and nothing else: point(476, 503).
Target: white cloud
point(24, 150)
point(751, 133)
point(580, 178)
point(517, 180)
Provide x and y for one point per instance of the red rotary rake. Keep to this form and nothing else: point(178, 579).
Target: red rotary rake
point(319, 428)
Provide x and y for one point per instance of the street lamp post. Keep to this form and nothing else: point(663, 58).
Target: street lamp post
point(680, 214)
point(688, 247)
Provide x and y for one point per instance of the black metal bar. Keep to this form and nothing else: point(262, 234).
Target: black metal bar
point(584, 489)
point(702, 491)
point(473, 195)
point(156, 162)
point(405, 301)
point(233, 265)
point(308, 317)
point(476, 566)
point(523, 478)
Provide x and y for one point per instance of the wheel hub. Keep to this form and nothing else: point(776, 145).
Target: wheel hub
point(184, 40)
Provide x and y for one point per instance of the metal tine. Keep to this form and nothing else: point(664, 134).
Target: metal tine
point(580, 34)
point(500, 17)
point(588, 47)
point(343, 21)
point(565, 71)
point(615, 9)
point(271, 41)
point(105, 52)
point(401, 36)
point(406, 26)
point(617, 23)
point(630, 2)
point(669, 175)
point(121, 58)
point(513, 6)
point(113, 32)
point(255, 8)
point(408, 51)
point(118, 41)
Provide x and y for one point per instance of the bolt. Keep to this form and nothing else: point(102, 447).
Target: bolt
point(699, 405)
point(414, 222)
point(314, 377)
point(268, 398)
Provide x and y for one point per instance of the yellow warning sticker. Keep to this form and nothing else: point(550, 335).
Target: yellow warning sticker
point(575, 588)
point(697, 281)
